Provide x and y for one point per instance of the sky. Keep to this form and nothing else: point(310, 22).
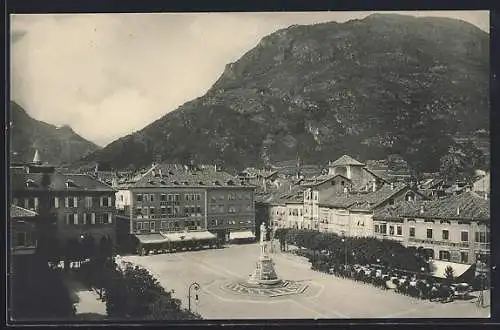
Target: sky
point(109, 75)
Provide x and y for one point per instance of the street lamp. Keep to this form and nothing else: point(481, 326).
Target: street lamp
point(196, 287)
point(345, 250)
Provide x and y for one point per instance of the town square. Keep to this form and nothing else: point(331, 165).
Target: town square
point(249, 166)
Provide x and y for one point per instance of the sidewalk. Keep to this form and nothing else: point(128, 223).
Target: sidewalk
point(86, 301)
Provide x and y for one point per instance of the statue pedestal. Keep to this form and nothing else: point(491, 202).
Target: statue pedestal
point(264, 273)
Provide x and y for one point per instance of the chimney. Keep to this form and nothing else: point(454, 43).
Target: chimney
point(374, 186)
point(422, 209)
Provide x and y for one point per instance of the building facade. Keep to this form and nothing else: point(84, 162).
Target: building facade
point(180, 203)
point(455, 228)
point(80, 206)
point(23, 233)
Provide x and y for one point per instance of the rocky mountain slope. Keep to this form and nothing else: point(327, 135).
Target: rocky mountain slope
point(386, 84)
point(56, 146)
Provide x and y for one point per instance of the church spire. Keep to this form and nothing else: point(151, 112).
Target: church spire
point(36, 158)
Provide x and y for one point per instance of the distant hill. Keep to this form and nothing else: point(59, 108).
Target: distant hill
point(386, 84)
point(56, 146)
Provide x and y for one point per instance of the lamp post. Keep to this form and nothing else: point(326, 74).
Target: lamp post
point(345, 250)
point(196, 287)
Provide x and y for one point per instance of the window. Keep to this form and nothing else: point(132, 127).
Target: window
point(121, 198)
point(70, 219)
point(152, 225)
point(110, 217)
point(464, 257)
point(383, 229)
point(198, 197)
point(198, 210)
point(163, 210)
point(399, 230)
point(163, 197)
point(139, 226)
point(187, 197)
point(151, 210)
point(138, 197)
point(163, 224)
point(151, 197)
point(145, 225)
point(464, 235)
point(177, 197)
point(88, 201)
point(105, 201)
point(482, 237)
point(429, 233)
point(376, 227)
point(56, 202)
point(138, 211)
point(92, 218)
point(446, 234)
point(169, 211)
point(221, 208)
point(21, 239)
point(169, 197)
point(391, 230)
point(71, 202)
point(444, 255)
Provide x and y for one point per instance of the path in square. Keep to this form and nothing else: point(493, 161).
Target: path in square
point(327, 296)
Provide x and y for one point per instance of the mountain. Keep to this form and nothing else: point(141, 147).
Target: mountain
point(386, 84)
point(55, 145)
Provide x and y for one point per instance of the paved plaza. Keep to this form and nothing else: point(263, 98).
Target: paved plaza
point(326, 296)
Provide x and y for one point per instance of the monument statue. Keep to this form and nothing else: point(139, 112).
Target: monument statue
point(264, 274)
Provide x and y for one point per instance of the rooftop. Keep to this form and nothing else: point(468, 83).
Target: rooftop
point(174, 175)
point(361, 200)
point(466, 206)
point(19, 212)
point(346, 160)
point(56, 182)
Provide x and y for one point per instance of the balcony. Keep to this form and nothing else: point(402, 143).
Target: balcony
point(435, 242)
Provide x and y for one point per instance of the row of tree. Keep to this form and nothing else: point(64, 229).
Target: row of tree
point(354, 250)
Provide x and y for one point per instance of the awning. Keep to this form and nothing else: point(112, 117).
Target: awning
point(151, 238)
point(201, 235)
point(177, 237)
point(438, 268)
point(241, 235)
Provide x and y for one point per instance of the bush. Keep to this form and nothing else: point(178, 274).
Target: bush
point(133, 293)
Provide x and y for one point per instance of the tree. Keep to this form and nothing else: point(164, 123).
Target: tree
point(134, 293)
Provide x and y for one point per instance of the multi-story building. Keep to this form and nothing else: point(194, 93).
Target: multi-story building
point(455, 228)
point(79, 205)
point(23, 231)
point(351, 213)
point(174, 203)
point(359, 174)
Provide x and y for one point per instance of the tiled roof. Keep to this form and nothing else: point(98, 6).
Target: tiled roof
point(467, 206)
point(395, 211)
point(77, 182)
point(361, 200)
point(346, 160)
point(319, 179)
point(19, 212)
point(280, 196)
point(381, 174)
point(172, 175)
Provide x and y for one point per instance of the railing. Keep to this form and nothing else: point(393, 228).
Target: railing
point(435, 242)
